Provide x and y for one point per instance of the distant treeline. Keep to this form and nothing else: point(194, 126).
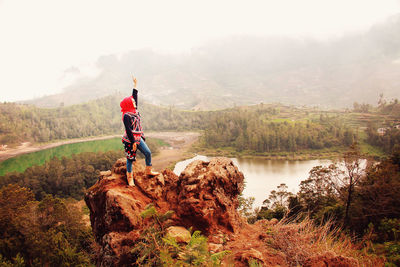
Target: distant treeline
point(255, 129)
point(19, 123)
point(259, 128)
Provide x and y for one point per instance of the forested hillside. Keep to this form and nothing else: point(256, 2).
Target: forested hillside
point(275, 129)
point(21, 123)
point(247, 129)
point(265, 129)
point(256, 129)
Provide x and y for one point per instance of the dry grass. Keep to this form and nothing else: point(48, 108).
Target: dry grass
point(300, 241)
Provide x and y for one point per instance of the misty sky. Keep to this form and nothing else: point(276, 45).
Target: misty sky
point(46, 44)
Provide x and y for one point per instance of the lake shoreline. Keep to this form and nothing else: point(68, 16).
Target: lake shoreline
point(264, 175)
point(292, 157)
point(179, 149)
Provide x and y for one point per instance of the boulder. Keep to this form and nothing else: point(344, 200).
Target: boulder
point(208, 195)
point(203, 197)
point(181, 234)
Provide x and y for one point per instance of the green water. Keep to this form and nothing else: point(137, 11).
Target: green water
point(21, 163)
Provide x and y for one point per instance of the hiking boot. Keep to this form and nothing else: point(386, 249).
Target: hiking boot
point(129, 178)
point(149, 172)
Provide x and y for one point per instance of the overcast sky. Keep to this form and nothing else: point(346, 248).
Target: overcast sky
point(46, 44)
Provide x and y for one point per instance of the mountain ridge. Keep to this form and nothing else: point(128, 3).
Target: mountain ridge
point(248, 70)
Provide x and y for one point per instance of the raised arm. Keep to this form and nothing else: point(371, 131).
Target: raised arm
point(135, 91)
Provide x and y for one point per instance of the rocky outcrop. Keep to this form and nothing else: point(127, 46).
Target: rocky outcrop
point(204, 197)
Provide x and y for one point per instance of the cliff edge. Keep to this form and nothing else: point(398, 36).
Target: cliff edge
point(204, 197)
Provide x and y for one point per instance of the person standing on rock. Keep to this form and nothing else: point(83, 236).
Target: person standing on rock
point(133, 137)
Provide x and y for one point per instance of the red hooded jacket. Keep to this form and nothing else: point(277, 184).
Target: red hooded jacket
point(131, 119)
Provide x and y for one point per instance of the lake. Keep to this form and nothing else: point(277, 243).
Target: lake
point(22, 162)
point(262, 175)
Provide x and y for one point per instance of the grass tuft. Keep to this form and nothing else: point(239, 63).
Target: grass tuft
point(302, 240)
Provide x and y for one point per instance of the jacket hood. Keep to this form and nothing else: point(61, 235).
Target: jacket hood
point(127, 105)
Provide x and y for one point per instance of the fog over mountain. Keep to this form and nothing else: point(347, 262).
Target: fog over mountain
point(253, 69)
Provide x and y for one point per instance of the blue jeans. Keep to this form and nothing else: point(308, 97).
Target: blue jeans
point(145, 151)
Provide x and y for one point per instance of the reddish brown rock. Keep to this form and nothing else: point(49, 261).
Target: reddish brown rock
point(332, 260)
point(203, 197)
point(247, 256)
point(208, 195)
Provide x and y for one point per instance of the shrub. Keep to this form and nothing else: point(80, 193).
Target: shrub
point(154, 248)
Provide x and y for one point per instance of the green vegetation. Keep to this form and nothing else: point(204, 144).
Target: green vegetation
point(305, 154)
point(381, 133)
point(364, 203)
point(267, 130)
point(368, 149)
point(156, 248)
point(22, 162)
point(362, 200)
point(388, 137)
point(286, 132)
point(21, 123)
point(49, 232)
point(387, 142)
point(40, 229)
point(263, 129)
point(64, 177)
point(69, 175)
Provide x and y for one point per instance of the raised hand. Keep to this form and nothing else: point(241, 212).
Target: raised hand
point(134, 81)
